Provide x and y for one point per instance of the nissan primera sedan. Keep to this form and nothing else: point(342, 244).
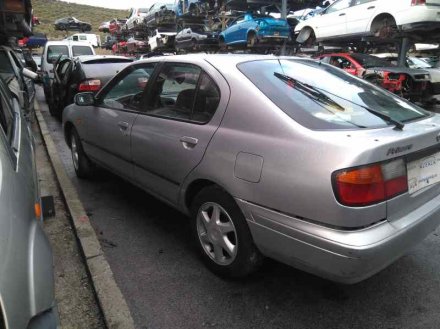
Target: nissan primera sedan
point(281, 157)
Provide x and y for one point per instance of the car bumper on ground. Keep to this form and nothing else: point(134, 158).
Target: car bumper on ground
point(346, 256)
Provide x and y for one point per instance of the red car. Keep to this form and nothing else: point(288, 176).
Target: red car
point(116, 25)
point(407, 82)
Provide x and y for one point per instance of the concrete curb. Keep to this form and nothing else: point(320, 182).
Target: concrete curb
point(112, 302)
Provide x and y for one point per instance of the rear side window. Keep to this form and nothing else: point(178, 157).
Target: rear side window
point(81, 50)
point(320, 96)
point(53, 52)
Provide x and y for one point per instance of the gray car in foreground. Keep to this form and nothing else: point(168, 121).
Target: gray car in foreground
point(281, 157)
point(26, 276)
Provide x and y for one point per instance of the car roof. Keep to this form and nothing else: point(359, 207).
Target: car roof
point(215, 59)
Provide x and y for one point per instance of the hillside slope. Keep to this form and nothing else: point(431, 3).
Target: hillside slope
point(50, 10)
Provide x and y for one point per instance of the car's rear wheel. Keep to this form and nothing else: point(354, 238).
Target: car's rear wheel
point(222, 235)
point(385, 28)
point(81, 163)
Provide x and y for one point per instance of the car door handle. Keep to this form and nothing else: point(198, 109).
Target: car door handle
point(372, 7)
point(189, 142)
point(123, 126)
point(343, 14)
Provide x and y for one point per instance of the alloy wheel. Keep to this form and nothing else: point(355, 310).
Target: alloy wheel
point(217, 233)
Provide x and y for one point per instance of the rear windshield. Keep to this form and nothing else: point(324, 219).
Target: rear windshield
point(56, 51)
point(320, 96)
point(81, 50)
point(103, 69)
point(107, 61)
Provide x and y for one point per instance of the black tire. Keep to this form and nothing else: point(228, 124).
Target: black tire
point(310, 42)
point(251, 40)
point(246, 258)
point(82, 165)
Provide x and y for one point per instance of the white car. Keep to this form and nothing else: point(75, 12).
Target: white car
point(161, 39)
point(136, 17)
point(351, 19)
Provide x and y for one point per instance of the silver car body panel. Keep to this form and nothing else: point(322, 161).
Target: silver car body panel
point(278, 169)
point(26, 273)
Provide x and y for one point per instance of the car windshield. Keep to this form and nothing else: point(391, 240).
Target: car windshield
point(81, 50)
point(368, 61)
point(53, 52)
point(320, 96)
point(416, 63)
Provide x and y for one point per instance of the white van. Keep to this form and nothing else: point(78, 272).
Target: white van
point(53, 50)
point(93, 39)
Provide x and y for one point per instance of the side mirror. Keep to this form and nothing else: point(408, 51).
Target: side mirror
point(85, 99)
point(29, 74)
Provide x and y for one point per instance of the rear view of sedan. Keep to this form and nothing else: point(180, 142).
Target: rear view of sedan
point(318, 169)
point(83, 73)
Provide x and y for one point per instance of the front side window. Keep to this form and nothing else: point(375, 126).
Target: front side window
point(128, 92)
point(319, 96)
point(340, 62)
point(81, 50)
point(339, 5)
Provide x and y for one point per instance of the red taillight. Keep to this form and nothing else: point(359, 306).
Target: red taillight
point(15, 5)
point(90, 85)
point(418, 2)
point(371, 184)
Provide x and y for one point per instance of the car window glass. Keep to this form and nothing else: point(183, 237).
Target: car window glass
point(207, 100)
point(361, 2)
point(83, 37)
point(6, 69)
point(6, 115)
point(128, 92)
point(81, 50)
point(53, 52)
point(325, 59)
point(319, 96)
point(340, 5)
point(75, 38)
point(174, 90)
point(340, 62)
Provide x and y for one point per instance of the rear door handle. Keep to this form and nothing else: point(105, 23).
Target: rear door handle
point(343, 14)
point(372, 7)
point(189, 142)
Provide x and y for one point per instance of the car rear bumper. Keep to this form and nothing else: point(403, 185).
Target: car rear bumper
point(339, 255)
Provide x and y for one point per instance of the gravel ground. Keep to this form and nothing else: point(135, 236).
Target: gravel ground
point(74, 294)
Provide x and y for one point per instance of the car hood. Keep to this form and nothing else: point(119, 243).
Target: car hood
point(274, 21)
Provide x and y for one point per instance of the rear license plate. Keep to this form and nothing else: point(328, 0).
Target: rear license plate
point(276, 33)
point(423, 172)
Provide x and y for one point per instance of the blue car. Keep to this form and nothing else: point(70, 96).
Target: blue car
point(251, 29)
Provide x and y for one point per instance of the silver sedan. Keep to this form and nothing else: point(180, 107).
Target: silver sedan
point(287, 158)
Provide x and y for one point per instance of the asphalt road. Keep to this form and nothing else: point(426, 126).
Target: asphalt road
point(148, 247)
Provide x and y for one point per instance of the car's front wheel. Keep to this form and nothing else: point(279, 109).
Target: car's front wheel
point(222, 235)
point(81, 163)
